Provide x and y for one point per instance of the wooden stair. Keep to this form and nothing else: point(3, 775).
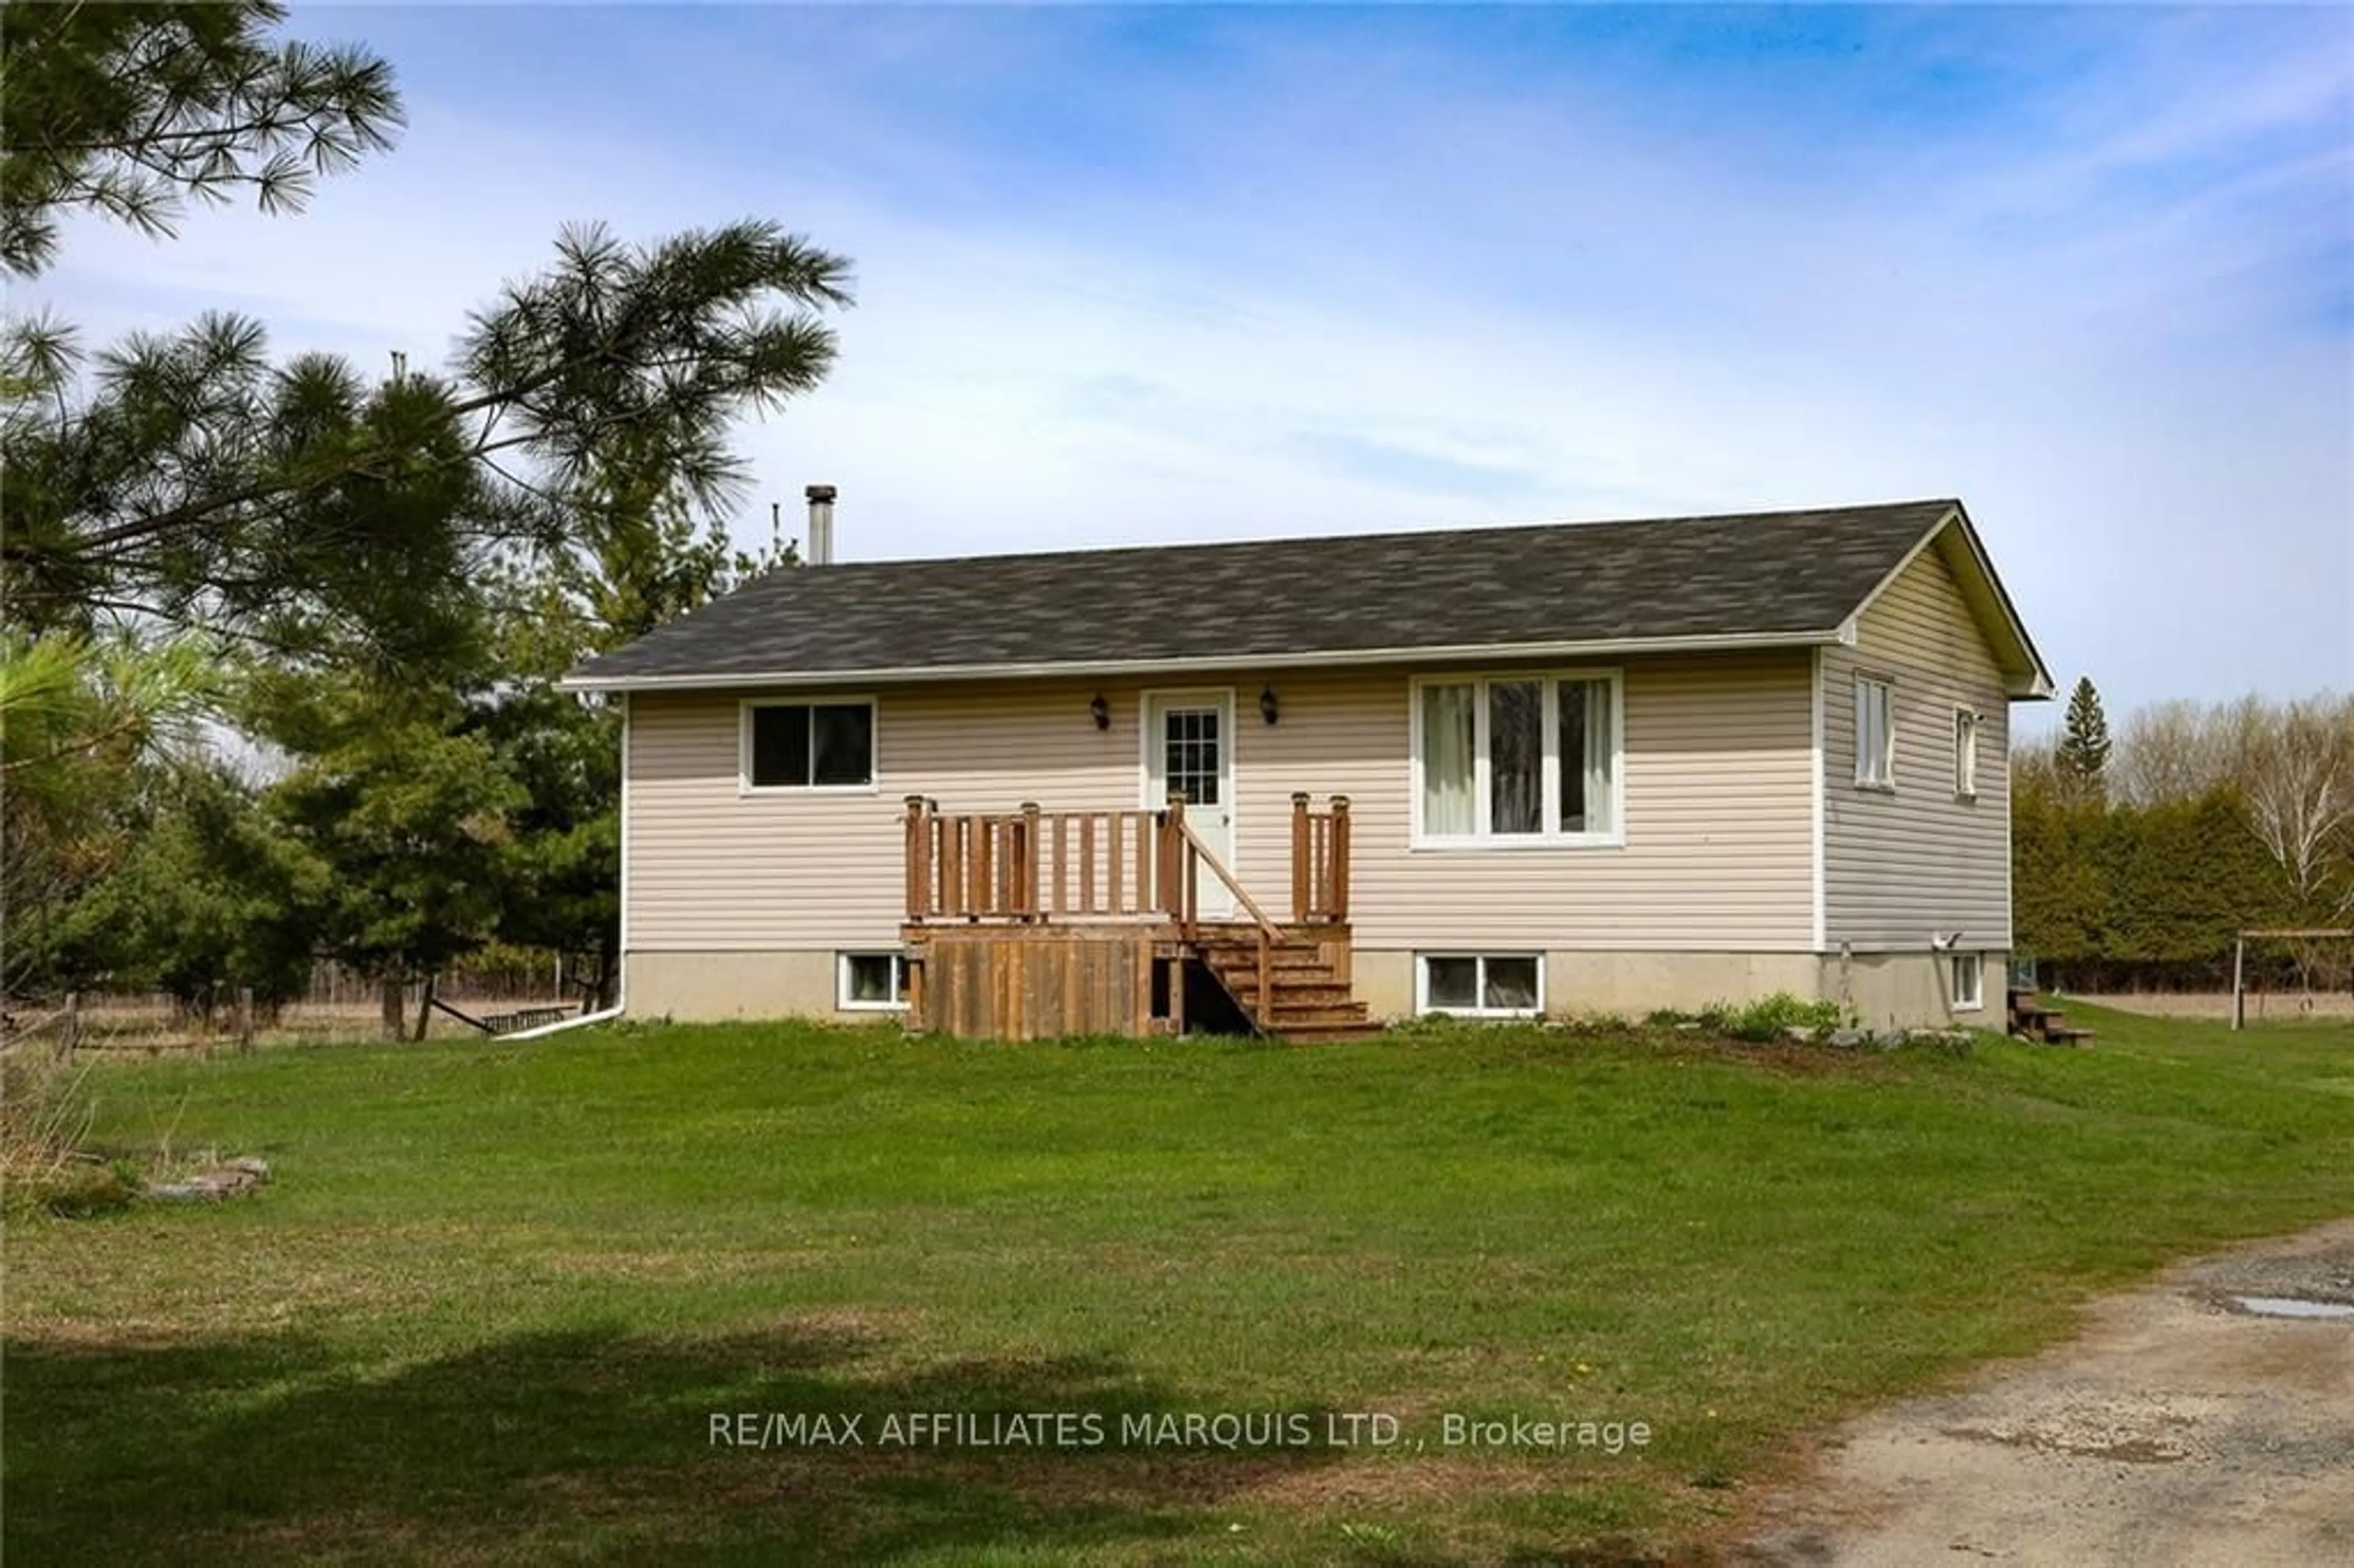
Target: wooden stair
point(2030, 1019)
point(1313, 1001)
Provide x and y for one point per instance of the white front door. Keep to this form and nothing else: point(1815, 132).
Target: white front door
point(1189, 750)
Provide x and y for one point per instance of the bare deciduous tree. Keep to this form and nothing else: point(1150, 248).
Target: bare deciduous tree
point(2293, 765)
point(2167, 752)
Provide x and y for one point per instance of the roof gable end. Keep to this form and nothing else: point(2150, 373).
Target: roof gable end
point(1956, 540)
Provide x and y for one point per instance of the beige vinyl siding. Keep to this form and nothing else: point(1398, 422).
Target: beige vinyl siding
point(711, 869)
point(1718, 852)
point(1899, 866)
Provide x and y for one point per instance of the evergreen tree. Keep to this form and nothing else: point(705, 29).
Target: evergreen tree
point(131, 109)
point(2085, 743)
point(189, 479)
point(638, 558)
point(211, 895)
point(355, 552)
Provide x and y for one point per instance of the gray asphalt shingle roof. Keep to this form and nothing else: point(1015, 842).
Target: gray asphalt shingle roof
point(1764, 574)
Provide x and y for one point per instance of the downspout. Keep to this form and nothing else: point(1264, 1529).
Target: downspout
point(621, 900)
point(559, 1027)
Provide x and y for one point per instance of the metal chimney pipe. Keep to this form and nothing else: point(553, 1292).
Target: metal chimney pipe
point(820, 524)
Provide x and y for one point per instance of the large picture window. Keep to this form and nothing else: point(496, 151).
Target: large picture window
point(1509, 759)
point(809, 746)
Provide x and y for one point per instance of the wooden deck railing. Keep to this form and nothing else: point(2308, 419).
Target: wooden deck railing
point(1031, 864)
point(1320, 863)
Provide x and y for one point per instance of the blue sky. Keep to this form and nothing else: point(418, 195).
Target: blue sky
point(1134, 274)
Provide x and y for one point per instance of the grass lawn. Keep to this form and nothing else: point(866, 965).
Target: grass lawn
point(496, 1293)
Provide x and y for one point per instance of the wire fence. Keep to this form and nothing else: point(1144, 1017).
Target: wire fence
point(337, 1006)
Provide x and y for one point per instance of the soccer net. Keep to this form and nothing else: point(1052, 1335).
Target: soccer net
point(2293, 974)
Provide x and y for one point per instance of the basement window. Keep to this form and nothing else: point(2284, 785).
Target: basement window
point(871, 982)
point(1970, 982)
point(1480, 985)
point(809, 746)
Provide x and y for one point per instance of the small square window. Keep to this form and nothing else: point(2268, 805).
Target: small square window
point(871, 981)
point(1483, 985)
point(804, 746)
point(1970, 982)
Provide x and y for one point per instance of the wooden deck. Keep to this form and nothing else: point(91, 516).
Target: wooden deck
point(1030, 924)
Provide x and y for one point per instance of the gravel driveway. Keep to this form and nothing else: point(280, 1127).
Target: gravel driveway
point(2181, 1427)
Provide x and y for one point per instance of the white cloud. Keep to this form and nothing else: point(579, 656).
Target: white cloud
point(1391, 289)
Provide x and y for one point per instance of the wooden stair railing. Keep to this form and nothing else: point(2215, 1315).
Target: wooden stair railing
point(1183, 841)
point(1294, 988)
point(1311, 999)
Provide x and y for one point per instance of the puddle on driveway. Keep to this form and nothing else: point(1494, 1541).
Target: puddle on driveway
point(2292, 1307)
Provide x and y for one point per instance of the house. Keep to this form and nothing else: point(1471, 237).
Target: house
point(1607, 766)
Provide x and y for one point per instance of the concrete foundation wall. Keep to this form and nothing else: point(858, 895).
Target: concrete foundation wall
point(700, 987)
point(1912, 989)
point(1883, 990)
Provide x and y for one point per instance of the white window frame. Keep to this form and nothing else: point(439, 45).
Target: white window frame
point(1975, 1000)
point(1422, 1003)
point(1886, 779)
point(1967, 723)
point(1552, 838)
point(842, 997)
point(743, 711)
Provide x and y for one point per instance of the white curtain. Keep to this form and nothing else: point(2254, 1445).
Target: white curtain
point(1446, 760)
point(1601, 755)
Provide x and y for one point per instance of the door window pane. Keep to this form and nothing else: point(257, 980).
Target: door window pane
point(1512, 985)
point(1451, 982)
point(1446, 760)
point(1516, 757)
point(1190, 755)
point(845, 737)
